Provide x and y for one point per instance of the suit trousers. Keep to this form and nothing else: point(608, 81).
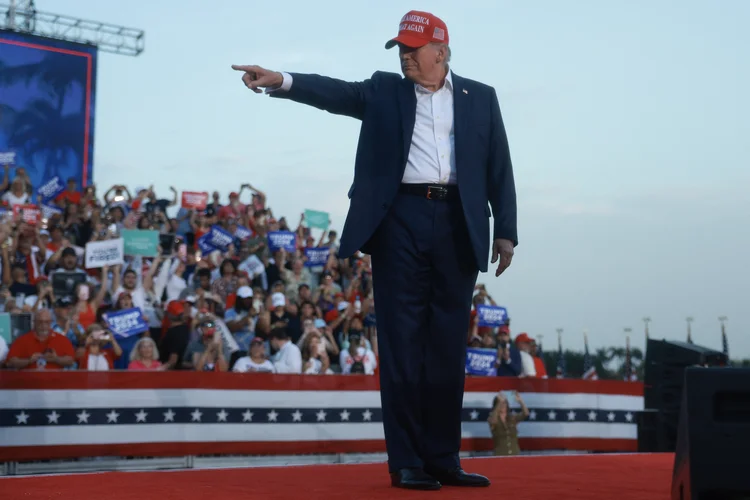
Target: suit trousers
point(424, 274)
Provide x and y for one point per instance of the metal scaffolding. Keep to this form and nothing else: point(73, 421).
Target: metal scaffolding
point(21, 16)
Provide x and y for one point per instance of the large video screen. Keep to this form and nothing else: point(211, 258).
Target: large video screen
point(47, 90)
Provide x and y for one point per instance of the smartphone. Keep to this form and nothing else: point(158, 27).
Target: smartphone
point(321, 349)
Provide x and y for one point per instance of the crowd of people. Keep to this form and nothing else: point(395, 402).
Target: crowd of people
point(248, 309)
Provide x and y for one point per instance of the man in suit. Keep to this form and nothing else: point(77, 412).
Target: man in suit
point(432, 154)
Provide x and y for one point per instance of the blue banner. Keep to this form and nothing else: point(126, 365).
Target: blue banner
point(316, 256)
point(127, 322)
point(47, 107)
point(491, 315)
point(282, 239)
point(50, 189)
point(219, 238)
point(49, 211)
point(481, 362)
point(242, 233)
point(204, 245)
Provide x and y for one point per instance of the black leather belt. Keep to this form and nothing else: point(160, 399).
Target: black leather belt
point(431, 191)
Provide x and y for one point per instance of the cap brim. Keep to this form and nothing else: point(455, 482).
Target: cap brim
point(410, 41)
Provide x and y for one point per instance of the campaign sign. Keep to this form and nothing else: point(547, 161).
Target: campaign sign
point(316, 256)
point(193, 200)
point(243, 233)
point(51, 189)
point(481, 362)
point(105, 253)
point(282, 239)
point(491, 315)
point(29, 214)
point(127, 322)
point(49, 211)
point(220, 238)
point(204, 244)
point(253, 266)
point(7, 158)
point(65, 283)
point(317, 219)
point(143, 242)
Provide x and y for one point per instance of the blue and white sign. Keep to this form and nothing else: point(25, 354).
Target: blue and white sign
point(204, 245)
point(282, 239)
point(49, 211)
point(127, 322)
point(242, 233)
point(49, 190)
point(491, 315)
point(316, 256)
point(219, 238)
point(481, 362)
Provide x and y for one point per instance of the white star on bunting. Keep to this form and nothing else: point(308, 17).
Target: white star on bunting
point(247, 416)
point(22, 418)
point(169, 415)
point(474, 414)
point(321, 416)
point(83, 417)
point(197, 414)
point(141, 416)
point(629, 417)
point(112, 417)
point(272, 415)
point(552, 415)
point(532, 415)
point(297, 416)
point(222, 416)
point(52, 417)
point(367, 415)
point(611, 417)
point(592, 416)
point(344, 415)
point(571, 415)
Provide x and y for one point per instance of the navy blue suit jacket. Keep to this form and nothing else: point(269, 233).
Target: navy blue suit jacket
point(386, 104)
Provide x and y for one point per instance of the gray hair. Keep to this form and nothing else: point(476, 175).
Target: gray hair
point(135, 354)
point(439, 46)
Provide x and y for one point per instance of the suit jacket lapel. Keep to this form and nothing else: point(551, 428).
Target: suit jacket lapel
point(407, 98)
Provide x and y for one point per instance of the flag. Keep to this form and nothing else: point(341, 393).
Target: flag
point(724, 342)
point(560, 361)
point(589, 370)
point(630, 375)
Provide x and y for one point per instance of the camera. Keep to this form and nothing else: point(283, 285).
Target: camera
point(502, 344)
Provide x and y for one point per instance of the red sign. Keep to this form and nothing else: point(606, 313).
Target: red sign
point(30, 214)
point(194, 201)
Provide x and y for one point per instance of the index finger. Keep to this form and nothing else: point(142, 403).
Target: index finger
point(240, 67)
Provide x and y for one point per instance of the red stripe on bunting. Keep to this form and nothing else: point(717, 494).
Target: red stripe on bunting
point(73, 380)
point(21, 453)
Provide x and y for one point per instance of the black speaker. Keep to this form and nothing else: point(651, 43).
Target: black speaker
point(664, 376)
point(713, 437)
point(648, 431)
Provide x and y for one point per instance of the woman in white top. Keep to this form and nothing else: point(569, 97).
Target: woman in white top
point(256, 361)
point(315, 360)
point(17, 194)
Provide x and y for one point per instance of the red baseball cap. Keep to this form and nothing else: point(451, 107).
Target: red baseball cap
point(418, 28)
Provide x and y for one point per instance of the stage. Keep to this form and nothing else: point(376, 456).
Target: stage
point(577, 477)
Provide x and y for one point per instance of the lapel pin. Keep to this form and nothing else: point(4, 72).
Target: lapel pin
point(465, 91)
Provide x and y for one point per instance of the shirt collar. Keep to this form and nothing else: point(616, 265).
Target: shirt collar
point(448, 84)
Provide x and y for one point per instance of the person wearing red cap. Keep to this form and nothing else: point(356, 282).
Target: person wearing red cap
point(432, 155)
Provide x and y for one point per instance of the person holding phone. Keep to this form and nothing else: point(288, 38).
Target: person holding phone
point(101, 350)
point(504, 424)
point(314, 356)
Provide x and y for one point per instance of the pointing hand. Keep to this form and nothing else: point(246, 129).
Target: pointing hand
point(256, 78)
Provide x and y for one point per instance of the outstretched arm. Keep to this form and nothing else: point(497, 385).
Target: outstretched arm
point(329, 94)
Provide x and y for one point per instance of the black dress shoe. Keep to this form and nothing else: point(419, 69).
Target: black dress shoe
point(457, 477)
point(413, 479)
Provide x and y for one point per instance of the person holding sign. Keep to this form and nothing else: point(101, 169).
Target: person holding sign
point(432, 155)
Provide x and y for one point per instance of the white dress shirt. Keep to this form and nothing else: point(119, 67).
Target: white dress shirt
point(288, 359)
point(432, 158)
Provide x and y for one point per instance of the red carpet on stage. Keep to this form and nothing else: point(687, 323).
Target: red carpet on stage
point(577, 477)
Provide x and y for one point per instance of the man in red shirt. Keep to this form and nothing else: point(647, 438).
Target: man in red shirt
point(41, 349)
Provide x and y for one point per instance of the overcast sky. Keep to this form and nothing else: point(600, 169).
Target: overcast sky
point(627, 121)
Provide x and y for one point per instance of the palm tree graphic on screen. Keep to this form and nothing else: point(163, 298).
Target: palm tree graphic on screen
point(43, 115)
